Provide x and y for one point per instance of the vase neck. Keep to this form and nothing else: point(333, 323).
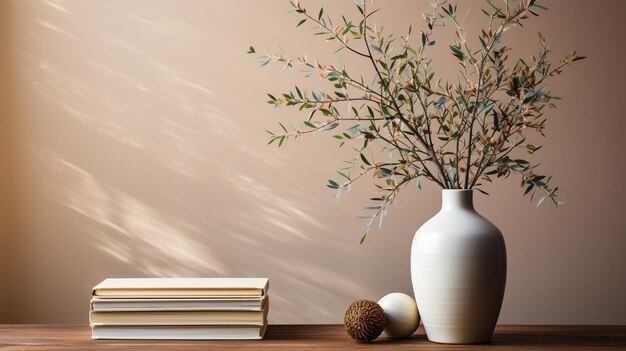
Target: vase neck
point(457, 199)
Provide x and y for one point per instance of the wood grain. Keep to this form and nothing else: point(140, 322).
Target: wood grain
point(319, 337)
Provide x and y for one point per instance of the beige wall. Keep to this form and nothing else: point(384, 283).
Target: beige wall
point(133, 144)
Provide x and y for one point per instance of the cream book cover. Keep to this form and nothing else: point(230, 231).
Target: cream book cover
point(179, 318)
point(177, 304)
point(182, 287)
point(179, 332)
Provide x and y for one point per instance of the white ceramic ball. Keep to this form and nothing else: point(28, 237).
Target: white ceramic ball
point(401, 315)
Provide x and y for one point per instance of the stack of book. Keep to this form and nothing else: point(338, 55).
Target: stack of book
point(179, 308)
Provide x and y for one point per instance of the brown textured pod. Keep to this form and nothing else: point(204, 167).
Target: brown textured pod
point(364, 320)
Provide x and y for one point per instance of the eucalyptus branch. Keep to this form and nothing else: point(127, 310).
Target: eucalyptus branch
point(334, 35)
point(367, 170)
point(397, 108)
point(381, 210)
point(533, 181)
point(569, 59)
point(457, 134)
point(365, 88)
point(488, 49)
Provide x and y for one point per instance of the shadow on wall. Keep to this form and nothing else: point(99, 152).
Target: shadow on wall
point(129, 144)
point(266, 233)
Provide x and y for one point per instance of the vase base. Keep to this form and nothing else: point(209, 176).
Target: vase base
point(460, 342)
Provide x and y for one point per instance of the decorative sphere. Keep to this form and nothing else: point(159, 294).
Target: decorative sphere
point(364, 320)
point(401, 315)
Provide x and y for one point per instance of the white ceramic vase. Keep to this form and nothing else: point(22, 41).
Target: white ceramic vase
point(458, 268)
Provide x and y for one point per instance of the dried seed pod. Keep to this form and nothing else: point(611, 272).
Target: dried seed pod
point(364, 320)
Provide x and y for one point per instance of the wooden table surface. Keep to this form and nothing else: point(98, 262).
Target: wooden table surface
point(319, 337)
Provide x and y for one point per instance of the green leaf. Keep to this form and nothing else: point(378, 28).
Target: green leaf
point(315, 96)
point(376, 48)
point(482, 191)
point(496, 120)
point(332, 184)
point(452, 174)
point(283, 127)
point(536, 179)
point(319, 16)
point(541, 200)
point(365, 160)
point(347, 29)
point(482, 42)
point(301, 22)
point(540, 92)
point(331, 126)
point(368, 135)
point(362, 239)
point(368, 223)
point(251, 50)
point(325, 112)
point(440, 100)
point(457, 52)
point(382, 171)
point(529, 188)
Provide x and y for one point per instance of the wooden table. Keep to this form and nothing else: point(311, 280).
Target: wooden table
point(319, 337)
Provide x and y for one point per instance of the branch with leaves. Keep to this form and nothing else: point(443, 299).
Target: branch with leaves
point(406, 124)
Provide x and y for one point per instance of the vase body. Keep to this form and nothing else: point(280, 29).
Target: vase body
point(458, 269)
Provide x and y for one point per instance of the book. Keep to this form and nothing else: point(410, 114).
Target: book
point(181, 287)
point(177, 304)
point(179, 318)
point(179, 332)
